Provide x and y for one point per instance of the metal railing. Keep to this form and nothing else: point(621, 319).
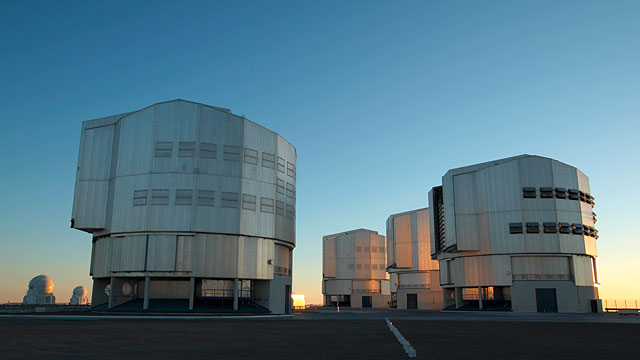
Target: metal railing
point(616, 305)
point(280, 270)
point(533, 277)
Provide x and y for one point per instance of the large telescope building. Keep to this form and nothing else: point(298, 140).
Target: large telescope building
point(190, 207)
point(516, 234)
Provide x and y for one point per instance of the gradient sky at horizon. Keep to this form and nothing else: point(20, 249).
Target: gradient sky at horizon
point(380, 99)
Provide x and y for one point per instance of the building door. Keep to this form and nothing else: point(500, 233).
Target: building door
point(546, 300)
point(412, 301)
point(287, 299)
point(366, 301)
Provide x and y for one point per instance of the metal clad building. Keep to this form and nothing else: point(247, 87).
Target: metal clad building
point(415, 277)
point(516, 233)
point(188, 202)
point(353, 269)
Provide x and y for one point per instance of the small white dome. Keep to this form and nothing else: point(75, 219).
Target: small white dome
point(80, 291)
point(41, 284)
point(40, 291)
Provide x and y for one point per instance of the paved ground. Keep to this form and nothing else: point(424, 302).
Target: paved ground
point(325, 335)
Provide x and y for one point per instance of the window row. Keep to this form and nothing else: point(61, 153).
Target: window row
point(229, 153)
point(290, 188)
point(372, 249)
point(558, 193)
point(553, 228)
point(367, 267)
point(207, 198)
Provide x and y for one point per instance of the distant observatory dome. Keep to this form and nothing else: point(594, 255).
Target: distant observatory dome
point(79, 296)
point(40, 291)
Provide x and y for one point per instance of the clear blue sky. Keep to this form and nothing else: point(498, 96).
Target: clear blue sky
point(380, 98)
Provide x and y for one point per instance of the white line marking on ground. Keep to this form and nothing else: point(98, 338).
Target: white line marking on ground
point(405, 344)
point(149, 317)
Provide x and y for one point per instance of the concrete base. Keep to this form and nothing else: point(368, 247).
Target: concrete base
point(271, 294)
point(427, 299)
point(377, 300)
point(570, 298)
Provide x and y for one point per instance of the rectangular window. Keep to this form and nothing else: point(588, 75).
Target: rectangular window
point(249, 202)
point(550, 228)
point(229, 200)
point(205, 197)
point(381, 249)
point(280, 186)
point(374, 249)
point(159, 197)
point(583, 197)
point(291, 170)
point(231, 153)
point(561, 193)
point(164, 149)
point(268, 160)
point(533, 228)
point(186, 149)
point(374, 266)
point(266, 205)
point(279, 208)
point(515, 228)
point(529, 192)
point(382, 267)
point(140, 197)
point(291, 212)
point(291, 190)
point(367, 266)
point(574, 194)
point(588, 230)
point(358, 249)
point(351, 266)
point(208, 150)
point(546, 192)
point(280, 164)
point(358, 266)
point(184, 197)
point(367, 249)
point(577, 229)
point(564, 228)
point(250, 156)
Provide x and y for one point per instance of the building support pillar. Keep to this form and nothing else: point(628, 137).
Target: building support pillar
point(459, 302)
point(235, 294)
point(147, 281)
point(480, 297)
point(192, 289)
point(111, 291)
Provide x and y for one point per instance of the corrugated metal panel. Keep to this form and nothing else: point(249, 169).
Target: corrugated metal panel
point(184, 253)
point(337, 287)
point(385, 288)
point(583, 270)
point(366, 285)
point(403, 241)
point(414, 280)
point(329, 257)
point(478, 271)
point(161, 253)
point(536, 265)
point(391, 257)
